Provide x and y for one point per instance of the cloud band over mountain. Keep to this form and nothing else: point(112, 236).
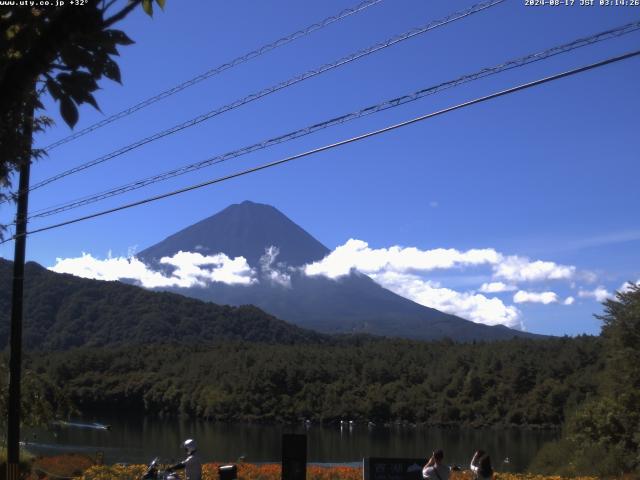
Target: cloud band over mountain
point(405, 271)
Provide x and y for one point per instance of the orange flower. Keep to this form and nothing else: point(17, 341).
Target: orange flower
point(68, 465)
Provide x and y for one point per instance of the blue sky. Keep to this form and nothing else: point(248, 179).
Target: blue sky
point(549, 174)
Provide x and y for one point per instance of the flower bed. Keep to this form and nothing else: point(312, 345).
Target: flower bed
point(247, 471)
point(60, 466)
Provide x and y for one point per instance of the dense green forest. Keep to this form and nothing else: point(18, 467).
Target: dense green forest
point(519, 382)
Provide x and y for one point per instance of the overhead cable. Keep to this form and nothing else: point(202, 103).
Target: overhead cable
point(275, 88)
point(485, 72)
point(405, 123)
point(215, 71)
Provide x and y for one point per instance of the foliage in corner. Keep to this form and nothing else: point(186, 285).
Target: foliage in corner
point(64, 51)
point(603, 435)
point(42, 400)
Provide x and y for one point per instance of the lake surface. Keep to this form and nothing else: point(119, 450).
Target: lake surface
point(139, 439)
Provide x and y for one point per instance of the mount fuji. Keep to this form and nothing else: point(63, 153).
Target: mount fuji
point(276, 248)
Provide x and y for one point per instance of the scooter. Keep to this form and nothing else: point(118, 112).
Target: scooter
point(154, 473)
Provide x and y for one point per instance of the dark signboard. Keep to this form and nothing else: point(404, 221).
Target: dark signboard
point(375, 468)
point(294, 457)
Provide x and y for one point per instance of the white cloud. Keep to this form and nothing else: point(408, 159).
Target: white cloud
point(626, 286)
point(569, 301)
point(271, 271)
point(191, 269)
point(399, 269)
point(520, 269)
point(599, 293)
point(109, 269)
point(497, 287)
point(468, 305)
point(198, 269)
point(356, 254)
point(535, 297)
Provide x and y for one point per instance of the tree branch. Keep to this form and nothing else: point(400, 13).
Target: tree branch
point(108, 5)
point(61, 67)
point(122, 13)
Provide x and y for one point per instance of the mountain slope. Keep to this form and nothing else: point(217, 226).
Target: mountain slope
point(354, 303)
point(242, 230)
point(63, 311)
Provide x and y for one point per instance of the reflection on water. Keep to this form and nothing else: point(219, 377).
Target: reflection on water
point(137, 440)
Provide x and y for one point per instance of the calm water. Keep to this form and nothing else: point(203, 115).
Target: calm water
point(137, 440)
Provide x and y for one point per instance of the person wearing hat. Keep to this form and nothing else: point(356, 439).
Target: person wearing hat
point(192, 465)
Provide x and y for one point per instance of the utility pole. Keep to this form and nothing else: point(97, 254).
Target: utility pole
point(15, 345)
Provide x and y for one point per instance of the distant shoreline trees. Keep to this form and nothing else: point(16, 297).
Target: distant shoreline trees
point(519, 382)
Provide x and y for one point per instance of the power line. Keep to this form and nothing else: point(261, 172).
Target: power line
point(405, 123)
point(287, 83)
point(215, 71)
point(267, 91)
point(395, 102)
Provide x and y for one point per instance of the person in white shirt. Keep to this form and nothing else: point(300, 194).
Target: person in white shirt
point(481, 465)
point(435, 469)
point(192, 465)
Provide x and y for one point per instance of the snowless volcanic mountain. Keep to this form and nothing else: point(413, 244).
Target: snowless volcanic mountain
point(353, 303)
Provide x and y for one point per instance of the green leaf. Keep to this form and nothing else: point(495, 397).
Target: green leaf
point(79, 85)
point(161, 3)
point(111, 70)
point(103, 41)
point(147, 6)
point(73, 56)
point(68, 111)
point(54, 89)
point(12, 31)
point(90, 99)
point(118, 36)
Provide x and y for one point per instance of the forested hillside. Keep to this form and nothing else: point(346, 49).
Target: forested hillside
point(520, 382)
point(63, 311)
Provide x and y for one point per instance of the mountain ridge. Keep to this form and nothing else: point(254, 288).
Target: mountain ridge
point(63, 311)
